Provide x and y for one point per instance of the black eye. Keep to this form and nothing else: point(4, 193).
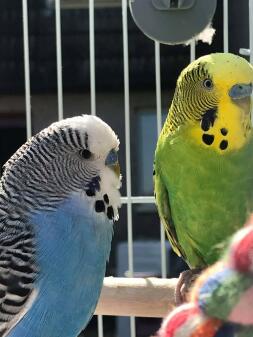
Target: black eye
point(86, 154)
point(208, 84)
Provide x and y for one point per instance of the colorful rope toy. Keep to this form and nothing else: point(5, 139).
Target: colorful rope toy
point(221, 301)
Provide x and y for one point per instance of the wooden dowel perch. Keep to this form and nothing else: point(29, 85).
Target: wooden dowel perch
point(140, 297)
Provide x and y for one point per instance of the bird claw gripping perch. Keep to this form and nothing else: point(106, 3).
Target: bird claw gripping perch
point(221, 301)
point(184, 284)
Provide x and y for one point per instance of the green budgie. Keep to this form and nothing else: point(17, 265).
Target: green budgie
point(203, 170)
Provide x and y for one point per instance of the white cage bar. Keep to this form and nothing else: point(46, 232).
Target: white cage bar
point(59, 58)
point(27, 70)
point(93, 100)
point(159, 127)
point(192, 50)
point(225, 26)
point(92, 58)
point(128, 150)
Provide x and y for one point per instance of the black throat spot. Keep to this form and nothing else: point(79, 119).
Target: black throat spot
point(208, 119)
point(207, 139)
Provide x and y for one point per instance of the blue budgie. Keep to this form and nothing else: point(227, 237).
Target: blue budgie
point(59, 196)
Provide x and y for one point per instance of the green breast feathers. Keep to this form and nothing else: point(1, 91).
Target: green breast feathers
point(202, 197)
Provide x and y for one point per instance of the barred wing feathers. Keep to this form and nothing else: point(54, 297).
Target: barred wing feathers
point(17, 274)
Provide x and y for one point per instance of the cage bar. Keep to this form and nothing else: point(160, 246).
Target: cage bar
point(225, 26)
point(93, 101)
point(128, 150)
point(138, 200)
point(92, 58)
point(159, 128)
point(59, 58)
point(27, 70)
point(192, 50)
point(70, 4)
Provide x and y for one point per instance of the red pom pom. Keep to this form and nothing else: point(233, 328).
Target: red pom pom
point(188, 321)
point(241, 257)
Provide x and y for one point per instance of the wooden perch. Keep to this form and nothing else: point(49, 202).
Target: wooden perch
point(140, 297)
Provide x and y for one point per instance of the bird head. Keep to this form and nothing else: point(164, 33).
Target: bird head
point(212, 102)
point(75, 155)
point(98, 143)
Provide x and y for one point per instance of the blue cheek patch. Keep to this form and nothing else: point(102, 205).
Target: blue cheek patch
point(112, 158)
point(93, 186)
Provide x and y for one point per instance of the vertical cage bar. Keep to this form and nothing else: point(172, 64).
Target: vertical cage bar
point(159, 127)
point(93, 103)
point(128, 157)
point(27, 70)
point(100, 326)
point(158, 87)
point(59, 58)
point(192, 50)
point(92, 57)
point(251, 30)
point(225, 26)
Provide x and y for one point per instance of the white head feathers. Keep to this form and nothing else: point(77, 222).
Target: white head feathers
point(100, 138)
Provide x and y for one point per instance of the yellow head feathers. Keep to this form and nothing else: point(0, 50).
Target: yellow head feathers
point(226, 67)
point(212, 102)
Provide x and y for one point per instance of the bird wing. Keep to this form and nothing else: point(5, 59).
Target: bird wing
point(164, 210)
point(17, 273)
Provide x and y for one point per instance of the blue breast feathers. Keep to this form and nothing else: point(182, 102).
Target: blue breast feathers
point(73, 244)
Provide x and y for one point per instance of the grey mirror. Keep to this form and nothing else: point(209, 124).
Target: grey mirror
point(172, 21)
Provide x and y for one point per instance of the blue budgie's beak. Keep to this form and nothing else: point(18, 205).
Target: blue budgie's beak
point(112, 161)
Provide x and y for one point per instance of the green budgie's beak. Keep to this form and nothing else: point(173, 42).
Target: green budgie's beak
point(112, 161)
point(240, 90)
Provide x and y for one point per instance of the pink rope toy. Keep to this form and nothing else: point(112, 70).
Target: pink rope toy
point(221, 301)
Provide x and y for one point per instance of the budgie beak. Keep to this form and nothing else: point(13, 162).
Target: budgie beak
point(112, 161)
point(116, 169)
point(240, 90)
point(241, 95)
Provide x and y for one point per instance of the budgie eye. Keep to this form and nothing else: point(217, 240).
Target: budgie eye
point(208, 84)
point(86, 154)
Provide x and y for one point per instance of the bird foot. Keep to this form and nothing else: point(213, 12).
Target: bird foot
point(184, 284)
